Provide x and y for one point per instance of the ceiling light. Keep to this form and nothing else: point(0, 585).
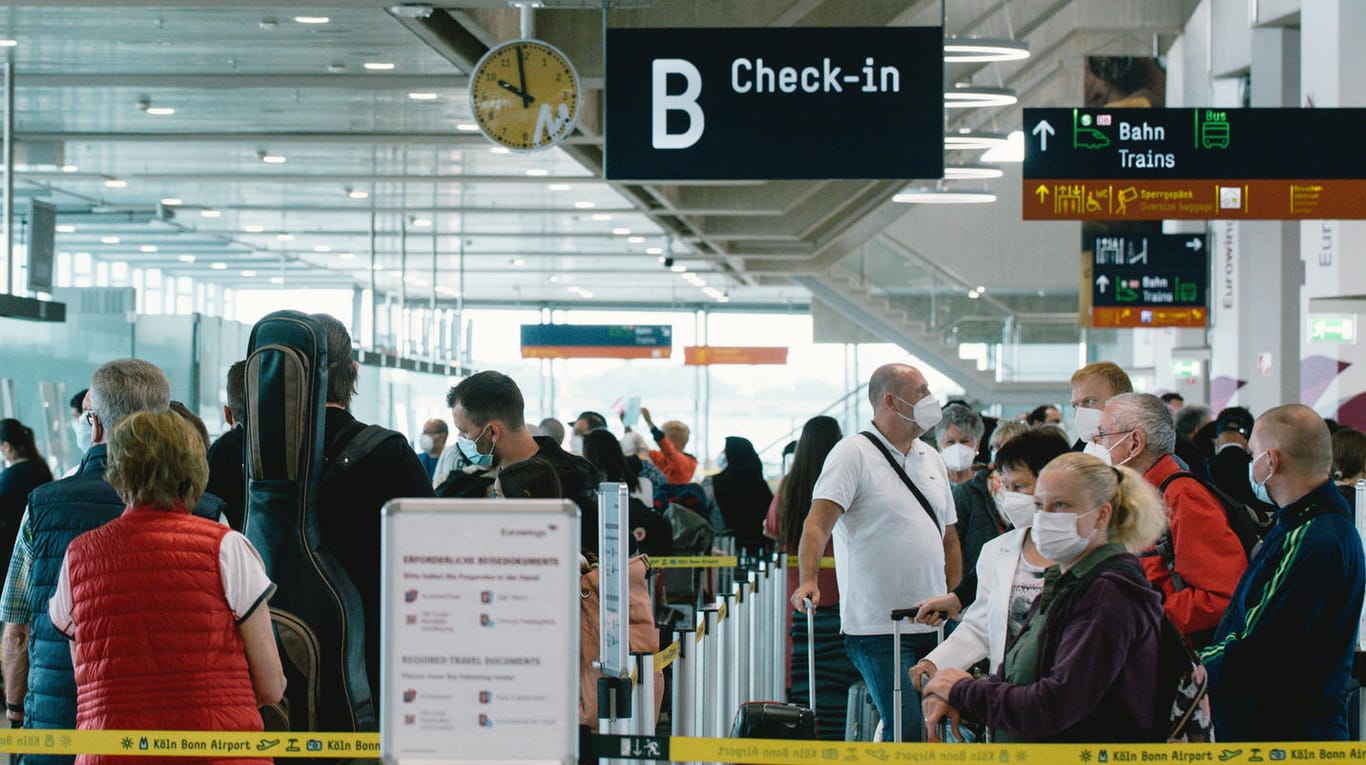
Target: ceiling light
point(422, 96)
point(1012, 150)
point(357, 193)
point(285, 237)
point(65, 229)
point(501, 150)
point(321, 248)
point(249, 273)
point(109, 240)
point(971, 172)
point(973, 294)
point(8, 43)
point(981, 289)
point(271, 159)
point(602, 216)
point(219, 266)
point(518, 262)
point(69, 168)
point(148, 248)
point(970, 141)
point(160, 111)
point(346, 255)
point(562, 187)
point(336, 68)
point(468, 127)
point(585, 205)
point(312, 19)
point(553, 279)
point(115, 183)
point(964, 50)
point(378, 66)
point(254, 228)
point(636, 239)
point(678, 268)
point(537, 171)
point(654, 250)
point(210, 213)
point(377, 267)
point(975, 97)
point(422, 222)
point(277, 280)
point(930, 196)
point(621, 231)
point(172, 201)
point(269, 22)
point(585, 294)
point(186, 258)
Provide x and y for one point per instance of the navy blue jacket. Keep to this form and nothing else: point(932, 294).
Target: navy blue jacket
point(1295, 611)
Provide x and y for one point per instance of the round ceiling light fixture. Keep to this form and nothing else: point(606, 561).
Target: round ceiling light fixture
point(973, 97)
point(924, 195)
point(966, 172)
point(968, 140)
point(970, 50)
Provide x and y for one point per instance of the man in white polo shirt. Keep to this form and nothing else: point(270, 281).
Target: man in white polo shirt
point(894, 545)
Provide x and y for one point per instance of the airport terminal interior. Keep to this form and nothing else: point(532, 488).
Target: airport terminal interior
point(713, 223)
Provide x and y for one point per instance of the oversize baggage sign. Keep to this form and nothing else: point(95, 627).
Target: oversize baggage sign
point(758, 103)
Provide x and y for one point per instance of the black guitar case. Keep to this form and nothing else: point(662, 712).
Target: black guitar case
point(319, 622)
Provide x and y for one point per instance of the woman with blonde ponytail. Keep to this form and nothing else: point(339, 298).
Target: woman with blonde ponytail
point(1082, 669)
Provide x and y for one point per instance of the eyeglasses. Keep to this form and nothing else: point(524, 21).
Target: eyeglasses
point(1102, 435)
point(89, 416)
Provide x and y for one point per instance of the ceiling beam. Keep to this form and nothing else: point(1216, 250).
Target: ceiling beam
point(454, 138)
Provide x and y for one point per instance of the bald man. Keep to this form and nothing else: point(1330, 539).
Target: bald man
point(894, 545)
point(1282, 654)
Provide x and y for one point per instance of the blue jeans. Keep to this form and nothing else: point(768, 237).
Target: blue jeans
point(872, 656)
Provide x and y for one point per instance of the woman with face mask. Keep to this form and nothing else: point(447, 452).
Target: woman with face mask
point(1010, 570)
point(958, 435)
point(24, 471)
point(1081, 670)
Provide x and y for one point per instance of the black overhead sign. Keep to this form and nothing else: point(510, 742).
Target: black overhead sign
point(759, 103)
point(1151, 280)
point(1243, 144)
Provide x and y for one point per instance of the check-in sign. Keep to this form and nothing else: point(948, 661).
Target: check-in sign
point(759, 104)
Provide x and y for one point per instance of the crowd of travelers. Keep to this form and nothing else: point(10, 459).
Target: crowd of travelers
point(1055, 565)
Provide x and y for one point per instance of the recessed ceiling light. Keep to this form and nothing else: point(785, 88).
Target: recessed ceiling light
point(277, 280)
point(210, 213)
point(971, 172)
point(377, 267)
point(602, 216)
point(357, 194)
point(249, 273)
point(160, 111)
point(422, 222)
point(561, 187)
point(65, 229)
point(553, 279)
point(335, 68)
point(69, 168)
point(422, 96)
point(285, 237)
point(254, 228)
point(321, 248)
point(312, 19)
point(378, 66)
point(219, 266)
point(585, 205)
point(109, 240)
point(621, 231)
point(186, 258)
point(346, 255)
point(272, 159)
point(943, 197)
point(518, 262)
point(8, 43)
point(636, 239)
point(468, 127)
point(115, 183)
point(501, 150)
point(148, 248)
point(172, 201)
point(537, 171)
point(678, 268)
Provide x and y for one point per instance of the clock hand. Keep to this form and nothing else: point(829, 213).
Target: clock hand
point(521, 73)
point(526, 99)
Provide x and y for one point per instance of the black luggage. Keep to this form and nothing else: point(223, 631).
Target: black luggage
point(773, 719)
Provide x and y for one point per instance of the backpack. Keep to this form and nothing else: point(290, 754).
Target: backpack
point(1182, 711)
point(1247, 523)
point(692, 533)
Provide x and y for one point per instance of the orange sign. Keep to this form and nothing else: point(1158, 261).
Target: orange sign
point(1104, 316)
point(707, 355)
point(1194, 199)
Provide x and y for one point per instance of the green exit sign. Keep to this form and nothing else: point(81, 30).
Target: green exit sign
point(1184, 370)
point(1333, 328)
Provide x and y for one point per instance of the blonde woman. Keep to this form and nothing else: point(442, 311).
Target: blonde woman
point(166, 611)
point(1082, 669)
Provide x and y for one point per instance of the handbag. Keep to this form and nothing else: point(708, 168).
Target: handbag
point(643, 635)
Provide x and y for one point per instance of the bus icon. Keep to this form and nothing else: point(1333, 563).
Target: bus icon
point(1214, 134)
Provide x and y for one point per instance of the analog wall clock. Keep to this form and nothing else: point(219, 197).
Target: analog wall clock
point(525, 95)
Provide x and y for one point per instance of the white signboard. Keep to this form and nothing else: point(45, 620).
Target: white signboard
point(480, 631)
point(613, 555)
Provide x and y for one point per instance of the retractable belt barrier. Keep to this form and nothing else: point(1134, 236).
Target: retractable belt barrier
point(715, 561)
point(190, 743)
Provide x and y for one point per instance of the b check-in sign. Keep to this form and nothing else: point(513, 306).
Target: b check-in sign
point(760, 104)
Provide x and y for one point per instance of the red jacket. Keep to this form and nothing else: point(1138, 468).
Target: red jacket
point(157, 647)
point(1208, 555)
point(674, 464)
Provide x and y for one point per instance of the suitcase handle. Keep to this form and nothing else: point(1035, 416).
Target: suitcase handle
point(913, 613)
point(810, 652)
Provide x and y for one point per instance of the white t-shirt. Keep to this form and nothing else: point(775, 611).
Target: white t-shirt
point(245, 584)
point(888, 553)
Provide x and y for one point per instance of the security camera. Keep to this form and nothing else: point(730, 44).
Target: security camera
point(668, 262)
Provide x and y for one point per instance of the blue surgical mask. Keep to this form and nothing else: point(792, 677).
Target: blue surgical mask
point(470, 448)
point(84, 431)
point(1259, 489)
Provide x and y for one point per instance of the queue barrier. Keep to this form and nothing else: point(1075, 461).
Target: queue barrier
point(715, 561)
point(190, 743)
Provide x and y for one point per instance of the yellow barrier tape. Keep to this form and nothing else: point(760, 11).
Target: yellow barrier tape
point(792, 562)
point(666, 657)
point(782, 752)
point(193, 743)
point(695, 561)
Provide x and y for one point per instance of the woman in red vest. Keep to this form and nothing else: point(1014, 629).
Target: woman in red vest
point(166, 611)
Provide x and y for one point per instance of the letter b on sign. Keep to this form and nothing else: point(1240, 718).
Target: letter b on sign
point(661, 103)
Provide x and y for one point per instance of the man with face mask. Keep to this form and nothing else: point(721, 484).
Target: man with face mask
point(1206, 558)
point(893, 546)
point(1092, 386)
point(431, 444)
point(491, 432)
point(1282, 655)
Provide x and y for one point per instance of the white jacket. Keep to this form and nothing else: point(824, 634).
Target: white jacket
point(982, 633)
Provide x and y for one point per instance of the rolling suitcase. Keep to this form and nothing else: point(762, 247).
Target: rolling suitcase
point(861, 721)
point(773, 719)
point(897, 616)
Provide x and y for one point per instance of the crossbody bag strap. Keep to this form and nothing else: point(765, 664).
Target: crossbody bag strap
point(900, 473)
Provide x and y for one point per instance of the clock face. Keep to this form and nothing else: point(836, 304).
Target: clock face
point(525, 95)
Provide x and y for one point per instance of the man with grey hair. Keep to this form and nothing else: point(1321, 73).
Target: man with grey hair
point(40, 689)
point(1197, 562)
point(958, 437)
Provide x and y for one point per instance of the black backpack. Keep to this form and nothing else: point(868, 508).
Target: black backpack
point(1247, 523)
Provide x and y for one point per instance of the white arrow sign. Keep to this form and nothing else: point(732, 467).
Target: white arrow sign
point(1043, 130)
point(1195, 244)
point(1102, 282)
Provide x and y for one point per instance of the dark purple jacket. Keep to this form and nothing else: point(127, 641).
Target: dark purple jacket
point(1097, 660)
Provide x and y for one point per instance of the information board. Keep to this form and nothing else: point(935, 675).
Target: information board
point(1154, 164)
point(479, 631)
point(1149, 280)
point(764, 103)
point(597, 341)
point(711, 355)
point(614, 644)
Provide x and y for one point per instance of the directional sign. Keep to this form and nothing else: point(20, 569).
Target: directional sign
point(596, 341)
point(710, 355)
point(1149, 280)
point(1153, 164)
point(1333, 328)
